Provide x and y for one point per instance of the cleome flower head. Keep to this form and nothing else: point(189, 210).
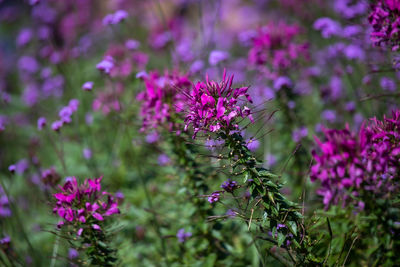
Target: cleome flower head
point(163, 96)
point(354, 166)
point(84, 206)
point(213, 106)
point(276, 44)
point(385, 21)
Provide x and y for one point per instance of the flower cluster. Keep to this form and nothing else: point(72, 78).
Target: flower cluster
point(350, 165)
point(213, 106)
point(214, 197)
point(385, 21)
point(229, 185)
point(276, 44)
point(64, 115)
point(84, 205)
point(164, 95)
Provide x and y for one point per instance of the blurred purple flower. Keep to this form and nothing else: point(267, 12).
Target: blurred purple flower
point(152, 137)
point(229, 186)
point(217, 56)
point(132, 44)
point(73, 254)
point(56, 126)
point(281, 82)
point(41, 123)
point(182, 235)
point(196, 66)
point(163, 160)
point(388, 84)
point(329, 115)
point(328, 27)
point(299, 134)
point(87, 86)
point(28, 64)
point(106, 65)
point(87, 153)
point(253, 144)
point(24, 37)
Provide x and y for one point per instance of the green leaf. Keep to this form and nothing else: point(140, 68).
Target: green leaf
point(281, 238)
point(292, 226)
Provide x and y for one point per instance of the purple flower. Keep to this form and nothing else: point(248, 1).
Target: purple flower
point(106, 65)
point(12, 168)
point(87, 153)
point(41, 123)
point(117, 17)
point(217, 56)
point(28, 64)
point(87, 86)
point(214, 197)
point(329, 115)
point(163, 160)
point(132, 44)
point(56, 126)
point(24, 37)
point(197, 66)
point(73, 254)
point(299, 134)
point(253, 144)
point(388, 84)
point(5, 241)
point(276, 44)
point(281, 82)
point(353, 51)
point(182, 235)
point(5, 210)
point(328, 27)
point(229, 186)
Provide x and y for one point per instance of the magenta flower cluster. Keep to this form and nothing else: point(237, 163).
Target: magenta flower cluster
point(385, 21)
point(163, 94)
point(213, 106)
point(84, 205)
point(276, 44)
point(351, 166)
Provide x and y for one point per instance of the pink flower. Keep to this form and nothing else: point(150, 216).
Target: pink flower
point(163, 96)
point(82, 204)
point(212, 106)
